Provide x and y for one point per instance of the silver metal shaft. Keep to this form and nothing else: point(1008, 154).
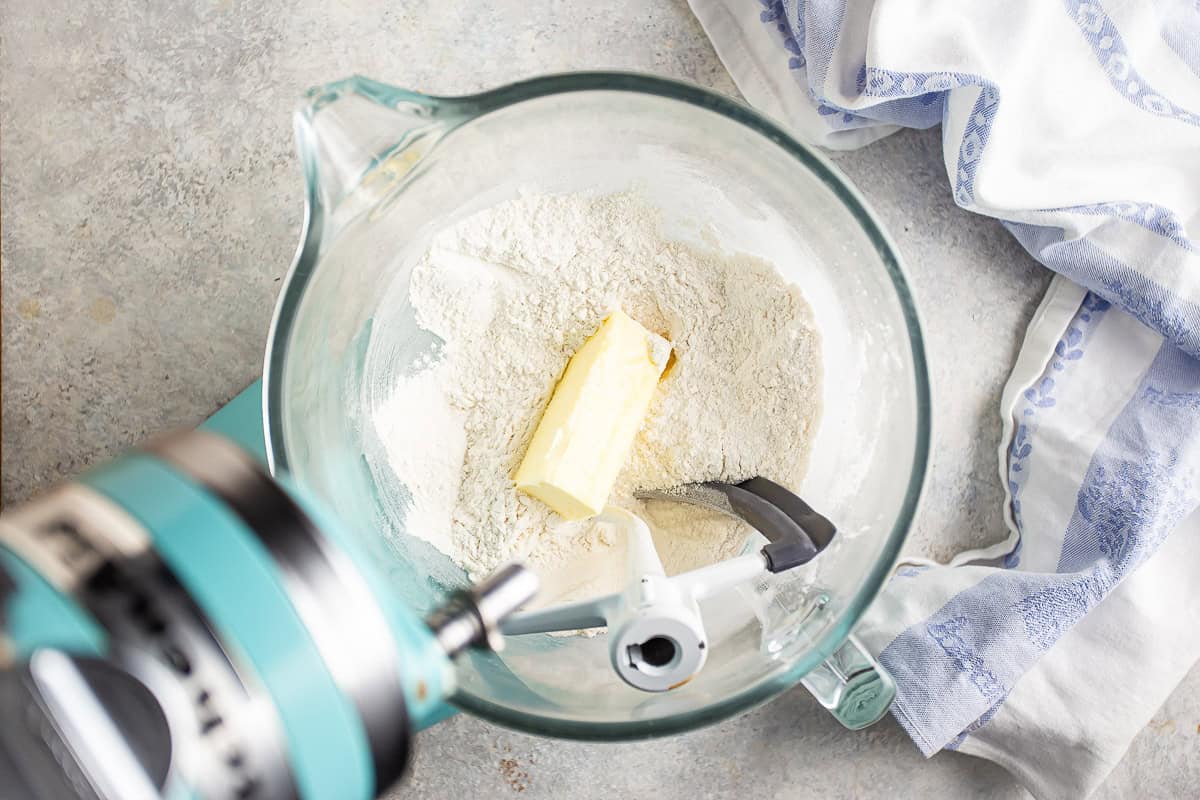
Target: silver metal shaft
point(472, 617)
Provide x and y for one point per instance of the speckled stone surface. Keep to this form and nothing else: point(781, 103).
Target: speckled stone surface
point(151, 203)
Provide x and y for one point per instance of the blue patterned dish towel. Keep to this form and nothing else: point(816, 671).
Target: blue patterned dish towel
point(1077, 124)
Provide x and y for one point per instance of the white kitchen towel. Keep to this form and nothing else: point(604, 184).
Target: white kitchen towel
point(1078, 125)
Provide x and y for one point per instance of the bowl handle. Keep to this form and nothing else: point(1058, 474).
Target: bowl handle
point(852, 685)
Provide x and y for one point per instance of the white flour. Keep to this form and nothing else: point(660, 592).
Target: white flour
point(513, 291)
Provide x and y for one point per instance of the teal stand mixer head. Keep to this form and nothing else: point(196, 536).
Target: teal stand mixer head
point(179, 624)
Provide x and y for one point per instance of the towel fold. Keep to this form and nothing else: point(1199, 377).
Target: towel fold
point(1078, 125)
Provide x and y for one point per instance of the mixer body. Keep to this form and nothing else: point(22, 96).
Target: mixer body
point(179, 624)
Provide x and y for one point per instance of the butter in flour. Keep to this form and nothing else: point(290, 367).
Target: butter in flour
point(512, 292)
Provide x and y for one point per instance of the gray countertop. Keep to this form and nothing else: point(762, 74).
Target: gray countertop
point(151, 203)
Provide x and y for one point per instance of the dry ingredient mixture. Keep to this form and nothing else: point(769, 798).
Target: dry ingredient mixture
point(513, 292)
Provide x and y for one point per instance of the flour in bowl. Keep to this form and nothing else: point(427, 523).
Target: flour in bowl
point(512, 292)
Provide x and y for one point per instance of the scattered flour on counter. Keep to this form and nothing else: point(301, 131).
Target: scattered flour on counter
point(513, 291)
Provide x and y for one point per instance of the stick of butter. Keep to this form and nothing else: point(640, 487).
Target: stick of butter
point(592, 418)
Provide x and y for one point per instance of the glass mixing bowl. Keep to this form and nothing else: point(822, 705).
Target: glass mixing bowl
point(386, 168)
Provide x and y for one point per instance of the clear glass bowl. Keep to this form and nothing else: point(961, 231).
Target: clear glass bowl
point(386, 168)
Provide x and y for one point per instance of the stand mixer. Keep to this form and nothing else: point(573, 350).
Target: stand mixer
point(179, 624)
point(209, 619)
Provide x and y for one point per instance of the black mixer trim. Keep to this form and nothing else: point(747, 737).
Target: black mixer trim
point(331, 598)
